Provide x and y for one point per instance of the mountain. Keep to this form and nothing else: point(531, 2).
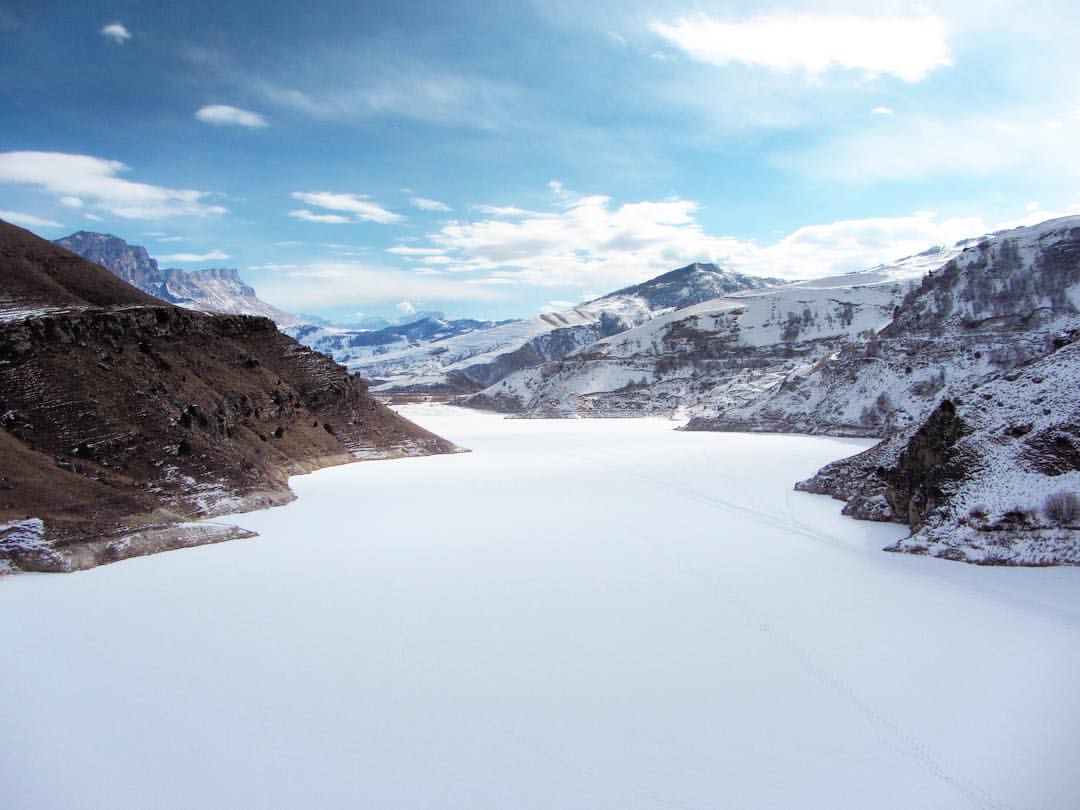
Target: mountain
point(217, 290)
point(468, 356)
point(355, 345)
point(717, 354)
point(860, 354)
point(124, 417)
point(991, 476)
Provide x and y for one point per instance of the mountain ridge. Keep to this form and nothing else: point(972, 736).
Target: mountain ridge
point(214, 290)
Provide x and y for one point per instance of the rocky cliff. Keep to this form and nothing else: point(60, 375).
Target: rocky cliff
point(215, 290)
point(991, 476)
point(122, 417)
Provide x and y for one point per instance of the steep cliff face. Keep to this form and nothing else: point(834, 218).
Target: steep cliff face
point(215, 290)
point(991, 476)
point(122, 419)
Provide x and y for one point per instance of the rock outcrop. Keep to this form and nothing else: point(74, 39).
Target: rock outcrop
point(991, 476)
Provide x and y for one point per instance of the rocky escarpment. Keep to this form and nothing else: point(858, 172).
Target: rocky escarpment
point(991, 476)
point(217, 289)
point(123, 418)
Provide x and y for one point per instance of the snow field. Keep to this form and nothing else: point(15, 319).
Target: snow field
point(577, 614)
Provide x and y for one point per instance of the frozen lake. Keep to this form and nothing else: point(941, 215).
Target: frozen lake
point(602, 614)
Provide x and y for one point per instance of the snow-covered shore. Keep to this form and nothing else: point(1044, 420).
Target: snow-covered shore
point(578, 614)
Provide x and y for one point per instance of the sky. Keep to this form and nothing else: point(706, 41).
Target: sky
point(494, 159)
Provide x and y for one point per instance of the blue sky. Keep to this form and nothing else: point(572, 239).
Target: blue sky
point(495, 158)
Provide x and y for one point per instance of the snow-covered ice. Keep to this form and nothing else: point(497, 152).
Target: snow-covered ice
point(578, 614)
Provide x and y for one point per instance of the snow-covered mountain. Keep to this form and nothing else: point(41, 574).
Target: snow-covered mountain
point(357, 344)
point(215, 290)
point(857, 354)
point(464, 356)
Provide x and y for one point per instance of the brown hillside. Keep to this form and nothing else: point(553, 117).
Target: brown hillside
point(130, 419)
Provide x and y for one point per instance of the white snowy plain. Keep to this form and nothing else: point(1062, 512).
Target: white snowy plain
point(578, 614)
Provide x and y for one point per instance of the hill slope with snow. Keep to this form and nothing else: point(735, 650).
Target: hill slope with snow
point(478, 357)
point(859, 354)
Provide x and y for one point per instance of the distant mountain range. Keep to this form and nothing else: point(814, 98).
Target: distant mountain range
point(440, 356)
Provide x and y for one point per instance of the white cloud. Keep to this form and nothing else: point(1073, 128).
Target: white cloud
point(908, 48)
point(28, 220)
point(117, 32)
point(224, 115)
point(587, 242)
point(841, 247)
point(338, 284)
point(424, 204)
point(71, 202)
point(328, 219)
point(405, 250)
point(584, 240)
point(406, 308)
point(97, 180)
point(360, 207)
point(212, 256)
point(883, 111)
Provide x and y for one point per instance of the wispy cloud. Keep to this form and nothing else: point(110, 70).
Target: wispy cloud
point(358, 207)
point(407, 251)
point(357, 84)
point(97, 181)
point(116, 32)
point(211, 256)
point(25, 220)
point(883, 110)
point(907, 48)
point(425, 204)
point(224, 115)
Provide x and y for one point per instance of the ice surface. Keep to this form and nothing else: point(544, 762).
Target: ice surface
point(577, 614)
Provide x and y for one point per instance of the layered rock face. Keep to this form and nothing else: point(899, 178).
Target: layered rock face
point(215, 290)
point(121, 416)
